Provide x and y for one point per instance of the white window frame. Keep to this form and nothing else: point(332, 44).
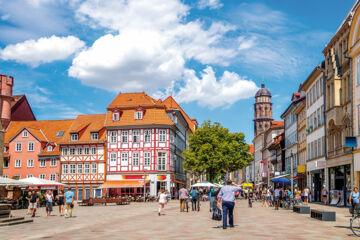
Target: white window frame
point(25, 134)
point(65, 169)
point(124, 136)
point(52, 160)
point(29, 175)
point(5, 176)
point(18, 147)
point(162, 135)
point(138, 115)
point(49, 148)
point(41, 161)
point(93, 150)
point(17, 163)
point(72, 151)
point(79, 151)
point(93, 168)
point(31, 146)
point(147, 136)
point(136, 136)
point(42, 176)
point(52, 177)
point(147, 159)
point(161, 161)
point(87, 168)
point(86, 151)
point(80, 168)
point(74, 137)
point(136, 159)
point(124, 158)
point(72, 169)
point(113, 137)
point(113, 159)
point(94, 136)
point(30, 163)
point(116, 116)
point(64, 151)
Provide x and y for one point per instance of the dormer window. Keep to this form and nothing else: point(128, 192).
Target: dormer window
point(138, 115)
point(25, 134)
point(74, 136)
point(49, 148)
point(115, 116)
point(94, 136)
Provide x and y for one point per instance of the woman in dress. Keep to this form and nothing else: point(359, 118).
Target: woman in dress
point(61, 202)
point(162, 201)
point(324, 193)
point(264, 196)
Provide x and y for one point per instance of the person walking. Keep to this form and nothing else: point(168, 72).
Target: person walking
point(211, 198)
point(306, 195)
point(194, 198)
point(34, 199)
point(264, 196)
point(183, 195)
point(49, 197)
point(28, 197)
point(268, 196)
point(324, 194)
point(277, 197)
point(354, 201)
point(61, 202)
point(162, 201)
point(226, 200)
point(69, 202)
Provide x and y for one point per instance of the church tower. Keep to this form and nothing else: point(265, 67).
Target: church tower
point(262, 110)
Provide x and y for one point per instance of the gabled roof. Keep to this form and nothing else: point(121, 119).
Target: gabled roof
point(85, 125)
point(45, 131)
point(17, 101)
point(131, 100)
point(171, 104)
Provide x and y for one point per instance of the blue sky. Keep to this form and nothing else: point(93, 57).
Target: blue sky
point(73, 56)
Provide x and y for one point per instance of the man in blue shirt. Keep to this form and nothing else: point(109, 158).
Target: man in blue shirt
point(226, 199)
point(194, 198)
point(69, 202)
point(354, 201)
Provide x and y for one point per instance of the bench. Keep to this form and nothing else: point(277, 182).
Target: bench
point(323, 215)
point(301, 209)
point(93, 201)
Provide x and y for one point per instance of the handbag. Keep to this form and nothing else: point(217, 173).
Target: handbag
point(72, 205)
point(217, 216)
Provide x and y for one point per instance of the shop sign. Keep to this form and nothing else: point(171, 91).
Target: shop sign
point(133, 177)
point(320, 164)
point(161, 177)
point(301, 169)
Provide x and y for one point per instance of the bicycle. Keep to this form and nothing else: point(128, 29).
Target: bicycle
point(355, 225)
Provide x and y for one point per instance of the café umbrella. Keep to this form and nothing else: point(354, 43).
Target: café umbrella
point(281, 181)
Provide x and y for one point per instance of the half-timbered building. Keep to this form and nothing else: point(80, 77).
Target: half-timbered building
point(145, 139)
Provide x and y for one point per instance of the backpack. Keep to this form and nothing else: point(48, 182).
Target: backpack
point(217, 216)
point(194, 194)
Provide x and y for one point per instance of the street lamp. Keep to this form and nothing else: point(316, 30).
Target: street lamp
point(292, 171)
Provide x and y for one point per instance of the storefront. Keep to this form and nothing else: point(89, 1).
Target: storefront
point(316, 178)
point(340, 183)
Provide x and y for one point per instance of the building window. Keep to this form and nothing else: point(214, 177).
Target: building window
point(30, 163)
point(42, 176)
point(135, 159)
point(94, 136)
point(139, 115)
point(25, 134)
point(5, 176)
point(53, 162)
point(124, 158)
point(72, 168)
point(112, 159)
point(147, 158)
point(136, 136)
point(94, 168)
point(59, 133)
point(6, 163)
point(124, 136)
point(80, 168)
point(74, 136)
point(79, 151)
point(65, 169)
point(113, 137)
point(49, 148)
point(52, 177)
point(87, 169)
point(29, 175)
point(161, 161)
point(86, 151)
point(72, 151)
point(115, 116)
point(42, 163)
point(147, 134)
point(30, 146)
point(18, 147)
point(93, 150)
point(162, 135)
point(18, 163)
point(64, 151)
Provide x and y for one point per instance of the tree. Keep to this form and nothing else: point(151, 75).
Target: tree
point(214, 151)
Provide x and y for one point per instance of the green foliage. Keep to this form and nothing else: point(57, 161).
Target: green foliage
point(214, 151)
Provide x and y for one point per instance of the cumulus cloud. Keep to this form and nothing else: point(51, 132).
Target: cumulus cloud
point(42, 50)
point(208, 91)
point(149, 44)
point(212, 4)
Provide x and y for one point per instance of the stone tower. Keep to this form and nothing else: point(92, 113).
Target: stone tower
point(262, 110)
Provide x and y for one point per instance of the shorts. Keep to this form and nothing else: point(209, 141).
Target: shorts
point(269, 198)
point(277, 198)
point(49, 206)
point(33, 205)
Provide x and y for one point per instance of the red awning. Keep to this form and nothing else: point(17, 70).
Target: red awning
point(123, 184)
point(176, 181)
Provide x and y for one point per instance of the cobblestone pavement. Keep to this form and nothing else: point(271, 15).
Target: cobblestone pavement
point(140, 221)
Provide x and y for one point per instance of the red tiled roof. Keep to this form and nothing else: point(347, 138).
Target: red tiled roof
point(131, 100)
point(275, 124)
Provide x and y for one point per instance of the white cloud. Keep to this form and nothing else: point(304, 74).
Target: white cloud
point(149, 44)
point(212, 4)
point(210, 92)
point(5, 17)
point(42, 50)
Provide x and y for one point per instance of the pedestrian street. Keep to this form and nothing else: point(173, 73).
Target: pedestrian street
point(141, 221)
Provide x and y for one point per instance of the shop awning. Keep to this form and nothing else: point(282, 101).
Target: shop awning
point(176, 181)
point(123, 184)
point(281, 176)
